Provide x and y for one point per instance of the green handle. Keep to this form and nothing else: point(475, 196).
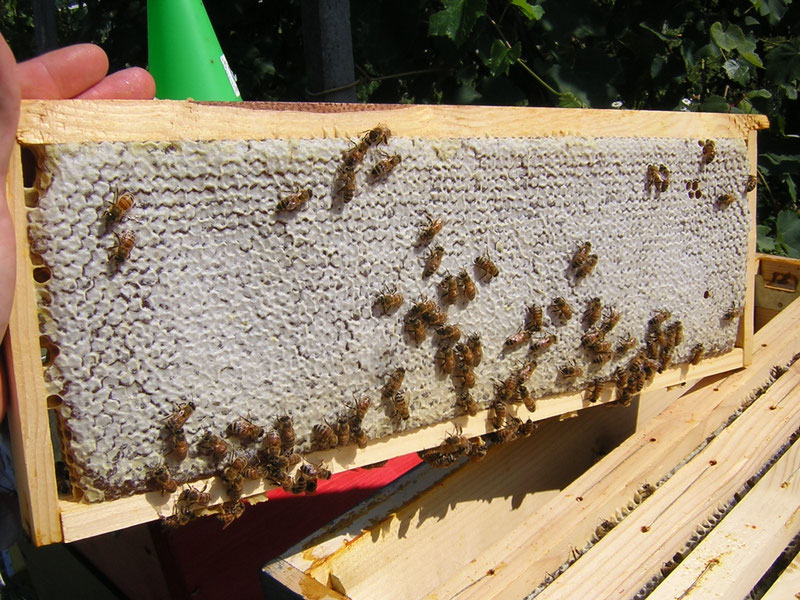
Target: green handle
point(185, 57)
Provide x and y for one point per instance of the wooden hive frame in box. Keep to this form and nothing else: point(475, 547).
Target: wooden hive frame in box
point(699, 502)
point(49, 517)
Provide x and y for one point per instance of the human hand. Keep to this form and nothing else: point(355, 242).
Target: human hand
point(73, 72)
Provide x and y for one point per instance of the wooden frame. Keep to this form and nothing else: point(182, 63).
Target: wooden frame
point(530, 542)
point(50, 519)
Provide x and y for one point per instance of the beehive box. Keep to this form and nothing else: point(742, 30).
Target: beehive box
point(700, 502)
point(250, 311)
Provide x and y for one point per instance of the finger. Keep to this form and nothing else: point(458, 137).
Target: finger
point(63, 73)
point(9, 105)
point(129, 84)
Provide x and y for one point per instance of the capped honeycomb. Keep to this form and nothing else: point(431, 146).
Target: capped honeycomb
point(250, 312)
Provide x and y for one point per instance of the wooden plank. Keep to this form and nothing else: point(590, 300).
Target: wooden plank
point(779, 272)
point(788, 583)
point(746, 323)
point(34, 465)
point(737, 552)
point(542, 542)
point(61, 121)
point(663, 523)
point(281, 581)
point(481, 501)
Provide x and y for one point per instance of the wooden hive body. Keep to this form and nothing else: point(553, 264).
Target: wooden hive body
point(209, 235)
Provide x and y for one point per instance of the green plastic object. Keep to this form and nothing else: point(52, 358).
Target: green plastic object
point(185, 57)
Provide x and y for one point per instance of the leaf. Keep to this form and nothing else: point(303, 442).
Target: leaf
point(532, 13)
point(762, 93)
point(774, 9)
point(457, 19)
point(715, 103)
point(656, 66)
point(671, 39)
point(732, 67)
point(766, 243)
point(501, 57)
point(753, 59)
point(783, 62)
point(569, 100)
point(789, 234)
point(791, 188)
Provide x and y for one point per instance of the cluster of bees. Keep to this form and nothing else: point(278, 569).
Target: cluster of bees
point(264, 454)
point(345, 182)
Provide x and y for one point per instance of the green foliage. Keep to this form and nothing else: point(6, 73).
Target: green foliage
point(690, 55)
point(786, 240)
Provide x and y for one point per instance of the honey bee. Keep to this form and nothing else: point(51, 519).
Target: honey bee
point(527, 428)
point(246, 431)
point(600, 347)
point(486, 267)
point(448, 334)
point(251, 472)
point(464, 353)
point(507, 389)
point(478, 448)
point(294, 201)
point(433, 227)
point(354, 156)
point(533, 318)
point(562, 309)
point(122, 251)
point(118, 208)
point(620, 377)
point(732, 313)
point(664, 173)
point(191, 496)
point(176, 420)
point(601, 358)
point(593, 312)
point(384, 166)
point(345, 184)
point(361, 405)
point(181, 516)
point(587, 267)
point(446, 359)
point(389, 300)
point(377, 135)
point(696, 355)
point(624, 345)
point(213, 445)
point(466, 285)
point(437, 318)
point(709, 150)
point(525, 371)
point(543, 343)
point(273, 443)
point(160, 479)
point(610, 321)
point(570, 371)
point(464, 373)
point(659, 318)
point(653, 178)
point(342, 430)
point(500, 412)
point(592, 338)
point(323, 437)
point(400, 406)
point(750, 183)
point(285, 428)
point(725, 200)
point(467, 403)
point(581, 255)
point(323, 472)
point(433, 262)
point(234, 482)
point(674, 333)
point(474, 344)
point(360, 435)
point(505, 435)
point(515, 340)
point(178, 446)
point(415, 329)
point(230, 512)
point(393, 385)
point(525, 396)
point(448, 288)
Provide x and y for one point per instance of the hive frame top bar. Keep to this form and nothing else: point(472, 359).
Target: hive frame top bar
point(64, 121)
